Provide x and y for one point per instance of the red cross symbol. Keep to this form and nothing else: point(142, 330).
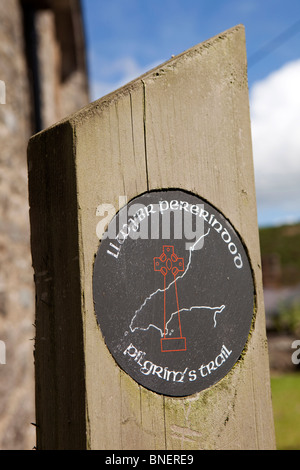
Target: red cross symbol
point(169, 263)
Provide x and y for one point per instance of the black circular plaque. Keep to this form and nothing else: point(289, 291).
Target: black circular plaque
point(173, 292)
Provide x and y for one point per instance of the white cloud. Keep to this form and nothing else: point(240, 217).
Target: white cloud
point(116, 74)
point(275, 117)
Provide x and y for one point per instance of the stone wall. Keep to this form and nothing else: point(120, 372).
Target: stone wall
point(59, 95)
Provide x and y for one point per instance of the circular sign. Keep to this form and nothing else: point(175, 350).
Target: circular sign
point(173, 292)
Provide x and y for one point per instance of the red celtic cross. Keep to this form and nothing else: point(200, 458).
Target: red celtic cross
point(169, 263)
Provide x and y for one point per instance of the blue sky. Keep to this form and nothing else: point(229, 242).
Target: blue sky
point(125, 38)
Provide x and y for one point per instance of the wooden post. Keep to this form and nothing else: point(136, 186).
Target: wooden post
point(184, 125)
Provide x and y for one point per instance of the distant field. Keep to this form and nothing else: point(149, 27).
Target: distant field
point(286, 408)
point(283, 241)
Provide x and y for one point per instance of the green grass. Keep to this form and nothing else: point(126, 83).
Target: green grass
point(286, 408)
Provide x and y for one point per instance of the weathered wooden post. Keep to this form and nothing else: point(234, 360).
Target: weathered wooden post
point(149, 339)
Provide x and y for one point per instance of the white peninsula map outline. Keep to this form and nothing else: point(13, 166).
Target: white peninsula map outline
point(139, 311)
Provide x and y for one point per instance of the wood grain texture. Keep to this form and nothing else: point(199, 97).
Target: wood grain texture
point(59, 356)
point(183, 125)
